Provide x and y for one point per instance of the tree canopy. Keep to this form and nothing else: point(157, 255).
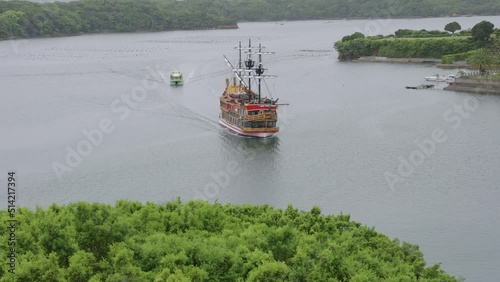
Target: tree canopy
point(198, 241)
point(62, 18)
point(481, 59)
point(407, 43)
point(353, 36)
point(27, 19)
point(393, 47)
point(482, 31)
point(452, 27)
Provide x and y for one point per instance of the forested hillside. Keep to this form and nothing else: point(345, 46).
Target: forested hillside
point(197, 241)
point(327, 9)
point(406, 43)
point(28, 19)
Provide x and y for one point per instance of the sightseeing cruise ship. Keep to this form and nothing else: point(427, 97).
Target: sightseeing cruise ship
point(244, 110)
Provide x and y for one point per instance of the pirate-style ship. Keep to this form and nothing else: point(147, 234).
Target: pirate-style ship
point(243, 110)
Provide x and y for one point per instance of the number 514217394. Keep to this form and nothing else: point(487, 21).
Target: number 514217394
point(11, 193)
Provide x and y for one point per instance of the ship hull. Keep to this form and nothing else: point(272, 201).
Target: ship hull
point(239, 131)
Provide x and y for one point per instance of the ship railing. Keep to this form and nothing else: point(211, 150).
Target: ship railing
point(261, 117)
point(267, 129)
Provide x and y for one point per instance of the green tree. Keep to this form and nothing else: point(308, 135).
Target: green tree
point(96, 227)
point(39, 267)
point(82, 266)
point(452, 27)
point(482, 31)
point(496, 32)
point(13, 24)
point(123, 265)
point(282, 242)
point(57, 233)
point(496, 62)
point(481, 59)
point(134, 242)
point(178, 276)
point(353, 36)
point(270, 271)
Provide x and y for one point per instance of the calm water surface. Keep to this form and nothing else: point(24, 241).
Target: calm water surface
point(349, 127)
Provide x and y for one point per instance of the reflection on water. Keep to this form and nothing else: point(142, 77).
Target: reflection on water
point(259, 164)
point(247, 149)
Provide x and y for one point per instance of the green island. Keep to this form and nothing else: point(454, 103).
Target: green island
point(475, 49)
point(23, 19)
point(199, 241)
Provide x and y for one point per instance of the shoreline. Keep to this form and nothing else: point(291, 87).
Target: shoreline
point(426, 61)
point(220, 27)
point(468, 85)
point(235, 26)
point(478, 86)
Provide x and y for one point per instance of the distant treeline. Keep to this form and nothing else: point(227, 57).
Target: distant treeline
point(198, 241)
point(27, 19)
point(406, 43)
point(258, 10)
point(402, 48)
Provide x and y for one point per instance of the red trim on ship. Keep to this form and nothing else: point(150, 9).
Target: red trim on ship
point(260, 107)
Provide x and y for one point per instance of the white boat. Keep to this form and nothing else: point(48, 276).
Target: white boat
point(441, 78)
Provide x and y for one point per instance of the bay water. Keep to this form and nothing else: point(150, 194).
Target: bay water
point(92, 118)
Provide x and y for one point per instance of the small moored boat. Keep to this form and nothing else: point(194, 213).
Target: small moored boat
point(441, 78)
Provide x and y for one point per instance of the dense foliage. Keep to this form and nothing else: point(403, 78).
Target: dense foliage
point(197, 241)
point(450, 59)
point(259, 10)
point(27, 19)
point(61, 18)
point(452, 27)
point(407, 43)
point(402, 48)
point(483, 59)
point(410, 33)
point(482, 31)
point(353, 36)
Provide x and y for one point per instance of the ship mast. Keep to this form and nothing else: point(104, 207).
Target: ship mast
point(249, 64)
point(246, 68)
point(259, 70)
point(240, 64)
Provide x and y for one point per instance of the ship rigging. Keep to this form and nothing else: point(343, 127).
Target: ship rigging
point(243, 110)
